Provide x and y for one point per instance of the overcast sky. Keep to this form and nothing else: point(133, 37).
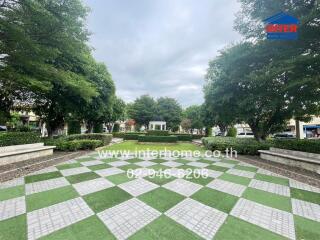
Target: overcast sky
point(160, 47)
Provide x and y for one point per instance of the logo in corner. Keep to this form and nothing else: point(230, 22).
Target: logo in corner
point(282, 26)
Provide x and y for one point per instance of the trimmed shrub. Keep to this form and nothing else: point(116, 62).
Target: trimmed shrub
point(232, 132)
point(98, 128)
point(158, 133)
point(241, 145)
point(17, 138)
point(74, 127)
point(118, 134)
point(197, 136)
point(149, 138)
point(184, 137)
point(65, 145)
point(303, 145)
point(208, 131)
point(116, 127)
point(131, 136)
point(104, 137)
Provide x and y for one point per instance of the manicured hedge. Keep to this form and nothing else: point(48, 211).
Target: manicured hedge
point(184, 137)
point(17, 138)
point(241, 145)
point(104, 137)
point(131, 136)
point(197, 136)
point(158, 133)
point(64, 145)
point(147, 138)
point(303, 145)
point(79, 141)
point(118, 134)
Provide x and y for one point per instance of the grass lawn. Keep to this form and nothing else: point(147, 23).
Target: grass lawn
point(135, 146)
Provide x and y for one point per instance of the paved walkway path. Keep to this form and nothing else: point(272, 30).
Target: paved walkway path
point(190, 198)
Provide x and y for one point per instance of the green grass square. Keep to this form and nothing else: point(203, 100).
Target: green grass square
point(230, 161)
point(205, 161)
point(160, 180)
point(42, 177)
point(268, 199)
point(161, 199)
point(86, 159)
point(108, 160)
point(272, 179)
point(185, 167)
point(246, 168)
point(68, 166)
point(129, 167)
point(51, 197)
point(237, 229)
point(14, 228)
point(11, 192)
point(82, 177)
point(306, 229)
point(216, 199)
point(217, 168)
point(134, 160)
point(158, 160)
point(199, 180)
point(99, 167)
point(235, 179)
point(183, 161)
point(158, 167)
point(119, 178)
point(88, 229)
point(305, 195)
point(107, 198)
point(164, 228)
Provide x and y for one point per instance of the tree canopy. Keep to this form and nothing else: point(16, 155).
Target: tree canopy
point(145, 109)
point(46, 62)
point(265, 83)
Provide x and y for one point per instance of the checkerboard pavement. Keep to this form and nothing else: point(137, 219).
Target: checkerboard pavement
point(53, 202)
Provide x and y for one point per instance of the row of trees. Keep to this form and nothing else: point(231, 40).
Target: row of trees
point(265, 83)
point(145, 109)
point(46, 64)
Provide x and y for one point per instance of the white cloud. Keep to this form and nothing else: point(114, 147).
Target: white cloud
point(160, 47)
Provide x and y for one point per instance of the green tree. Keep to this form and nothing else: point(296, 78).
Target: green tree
point(118, 112)
point(186, 124)
point(264, 83)
point(45, 55)
point(194, 113)
point(169, 110)
point(143, 110)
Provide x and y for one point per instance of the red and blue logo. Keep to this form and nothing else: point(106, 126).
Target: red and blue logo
point(282, 27)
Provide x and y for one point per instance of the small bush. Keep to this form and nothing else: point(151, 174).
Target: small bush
point(232, 132)
point(303, 145)
point(65, 145)
point(158, 133)
point(104, 137)
point(17, 138)
point(184, 137)
point(98, 128)
point(197, 136)
point(148, 138)
point(74, 127)
point(241, 145)
point(116, 127)
point(118, 134)
point(131, 136)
